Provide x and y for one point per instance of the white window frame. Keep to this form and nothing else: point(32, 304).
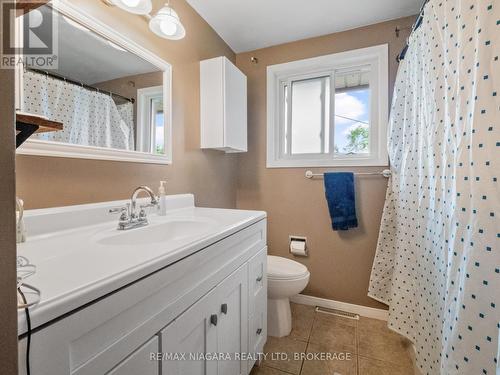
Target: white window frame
point(145, 133)
point(377, 58)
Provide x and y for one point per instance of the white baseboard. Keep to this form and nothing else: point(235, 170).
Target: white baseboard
point(368, 312)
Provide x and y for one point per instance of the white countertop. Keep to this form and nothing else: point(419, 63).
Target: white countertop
point(75, 268)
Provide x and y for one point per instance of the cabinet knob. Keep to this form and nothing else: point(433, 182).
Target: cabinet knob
point(259, 331)
point(223, 308)
point(213, 319)
point(259, 279)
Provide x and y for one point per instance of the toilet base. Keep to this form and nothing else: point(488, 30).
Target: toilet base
point(279, 317)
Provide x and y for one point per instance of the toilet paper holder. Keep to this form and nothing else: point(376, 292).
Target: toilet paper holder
point(298, 246)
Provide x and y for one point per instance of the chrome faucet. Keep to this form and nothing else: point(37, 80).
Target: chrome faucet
point(129, 217)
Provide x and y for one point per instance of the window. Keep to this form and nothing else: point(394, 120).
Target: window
point(150, 116)
point(329, 111)
point(157, 123)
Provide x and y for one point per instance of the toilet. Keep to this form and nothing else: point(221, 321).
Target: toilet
point(285, 278)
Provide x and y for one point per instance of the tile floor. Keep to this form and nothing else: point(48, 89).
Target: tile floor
point(356, 347)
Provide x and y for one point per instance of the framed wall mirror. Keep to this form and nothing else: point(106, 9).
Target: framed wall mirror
point(112, 96)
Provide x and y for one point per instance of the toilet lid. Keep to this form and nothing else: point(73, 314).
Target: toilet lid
point(283, 268)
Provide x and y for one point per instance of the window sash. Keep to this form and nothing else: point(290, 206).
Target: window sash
point(285, 121)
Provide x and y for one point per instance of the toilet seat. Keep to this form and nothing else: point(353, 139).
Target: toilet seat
point(279, 268)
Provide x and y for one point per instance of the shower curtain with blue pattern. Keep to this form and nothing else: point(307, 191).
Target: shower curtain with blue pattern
point(437, 263)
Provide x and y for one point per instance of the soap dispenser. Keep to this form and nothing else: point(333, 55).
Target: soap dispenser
point(20, 228)
point(162, 192)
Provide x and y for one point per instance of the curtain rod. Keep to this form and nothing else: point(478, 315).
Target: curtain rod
point(416, 25)
point(85, 86)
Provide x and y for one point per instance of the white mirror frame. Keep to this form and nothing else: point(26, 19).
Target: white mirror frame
point(67, 150)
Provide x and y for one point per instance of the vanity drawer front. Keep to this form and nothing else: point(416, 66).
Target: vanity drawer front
point(257, 331)
point(257, 304)
point(258, 327)
point(140, 361)
point(257, 278)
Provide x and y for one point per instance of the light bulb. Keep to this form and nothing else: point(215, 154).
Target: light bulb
point(133, 6)
point(131, 3)
point(167, 27)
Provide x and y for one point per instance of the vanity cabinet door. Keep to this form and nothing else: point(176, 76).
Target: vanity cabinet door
point(232, 330)
point(215, 325)
point(190, 337)
point(140, 361)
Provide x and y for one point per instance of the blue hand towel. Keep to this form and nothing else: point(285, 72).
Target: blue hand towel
point(339, 191)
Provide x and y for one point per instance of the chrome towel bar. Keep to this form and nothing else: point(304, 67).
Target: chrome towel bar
point(386, 173)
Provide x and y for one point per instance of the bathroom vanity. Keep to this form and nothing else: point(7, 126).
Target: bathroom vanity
point(161, 299)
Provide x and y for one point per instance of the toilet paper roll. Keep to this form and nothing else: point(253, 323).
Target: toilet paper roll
point(298, 248)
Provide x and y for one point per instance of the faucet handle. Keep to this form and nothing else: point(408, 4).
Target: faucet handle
point(123, 210)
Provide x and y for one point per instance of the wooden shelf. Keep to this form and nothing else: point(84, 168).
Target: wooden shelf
point(27, 6)
point(44, 125)
point(27, 125)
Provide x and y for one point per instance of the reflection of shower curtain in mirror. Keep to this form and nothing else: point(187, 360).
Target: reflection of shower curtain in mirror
point(437, 263)
point(90, 118)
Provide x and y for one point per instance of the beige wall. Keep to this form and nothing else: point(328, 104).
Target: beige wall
point(8, 299)
point(339, 262)
point(210, 175)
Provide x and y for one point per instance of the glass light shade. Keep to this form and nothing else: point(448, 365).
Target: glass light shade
point(131, 3)
point(134, 6)
point(166, 24)
point(168, 28)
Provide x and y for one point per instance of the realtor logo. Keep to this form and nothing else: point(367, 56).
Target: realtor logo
point(29, 35)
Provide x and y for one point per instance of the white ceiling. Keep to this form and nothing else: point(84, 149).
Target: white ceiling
point(251, 24)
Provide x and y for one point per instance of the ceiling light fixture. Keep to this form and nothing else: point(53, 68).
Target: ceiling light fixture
point(133, 6)
point(167, 24)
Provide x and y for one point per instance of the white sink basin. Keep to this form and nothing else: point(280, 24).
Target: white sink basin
point(157, 233)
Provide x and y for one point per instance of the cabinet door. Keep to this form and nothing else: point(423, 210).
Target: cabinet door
point(194, 333)
point(140, 361)
point(232, 330)
point(235, 107)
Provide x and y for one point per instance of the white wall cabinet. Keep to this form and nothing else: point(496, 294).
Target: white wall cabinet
point(213, 301)
point(223, 105)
